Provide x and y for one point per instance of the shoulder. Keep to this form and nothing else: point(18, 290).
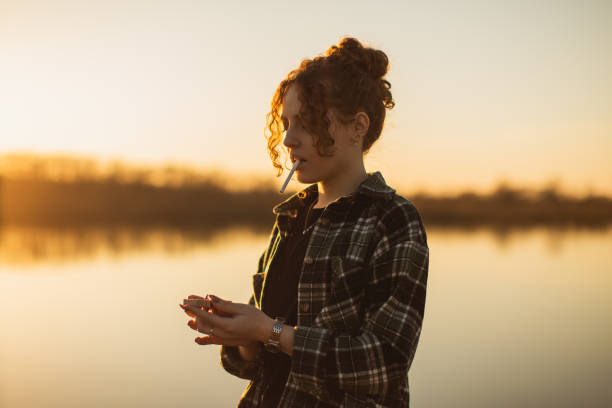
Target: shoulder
point(399, 219)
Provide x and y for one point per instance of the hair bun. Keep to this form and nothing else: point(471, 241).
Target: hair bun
point(372, 61)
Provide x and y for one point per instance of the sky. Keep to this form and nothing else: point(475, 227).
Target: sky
point(485, 91)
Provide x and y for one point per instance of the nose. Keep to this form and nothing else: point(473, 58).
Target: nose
point(290, 140)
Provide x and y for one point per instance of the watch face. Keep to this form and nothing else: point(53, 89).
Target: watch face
point(277, 328)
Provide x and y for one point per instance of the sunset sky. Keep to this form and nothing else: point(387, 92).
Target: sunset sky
point(484, 90)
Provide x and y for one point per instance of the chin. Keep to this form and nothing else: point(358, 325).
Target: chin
point(305, 178)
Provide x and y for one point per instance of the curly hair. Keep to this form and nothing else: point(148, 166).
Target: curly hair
point(347, 79)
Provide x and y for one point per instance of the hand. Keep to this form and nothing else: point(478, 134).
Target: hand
point(200, 297)
point(198, 324)
point(234, 324)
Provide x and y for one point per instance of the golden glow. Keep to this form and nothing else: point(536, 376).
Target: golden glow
point(479, 97)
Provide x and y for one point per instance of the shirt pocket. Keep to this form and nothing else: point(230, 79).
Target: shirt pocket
point(344, 309)
point(348, 279)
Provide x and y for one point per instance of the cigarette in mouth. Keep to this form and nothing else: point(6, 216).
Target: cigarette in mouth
point(289, 176)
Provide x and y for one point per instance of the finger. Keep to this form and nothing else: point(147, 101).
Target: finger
point(196, 311)
point(200, 328)
point(190, 314)
point(214, 320)
point(219, 312)
point(226, 306)
point(209, 319)
point(193, 324)
point(204, 340)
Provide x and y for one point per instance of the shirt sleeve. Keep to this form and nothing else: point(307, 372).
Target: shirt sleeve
point(231, 360)
point(378, 357)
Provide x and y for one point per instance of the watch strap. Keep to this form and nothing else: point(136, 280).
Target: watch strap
point(273, 343)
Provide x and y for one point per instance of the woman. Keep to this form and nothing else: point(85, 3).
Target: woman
point(339, 294)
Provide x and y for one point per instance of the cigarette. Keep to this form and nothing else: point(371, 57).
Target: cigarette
point(289, 176)
point(205, 303)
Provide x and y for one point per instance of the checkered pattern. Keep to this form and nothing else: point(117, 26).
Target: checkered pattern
point(361, 300)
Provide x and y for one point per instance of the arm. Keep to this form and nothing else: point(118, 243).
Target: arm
point(248, 353)
point(240, 361)
point(243, 362)
point(381, 354)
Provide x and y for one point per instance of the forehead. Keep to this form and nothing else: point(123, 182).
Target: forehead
point(291, 103)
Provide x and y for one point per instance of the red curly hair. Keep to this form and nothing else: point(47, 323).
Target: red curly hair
point(347, 79)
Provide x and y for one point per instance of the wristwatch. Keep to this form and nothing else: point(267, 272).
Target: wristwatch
point(273, 343)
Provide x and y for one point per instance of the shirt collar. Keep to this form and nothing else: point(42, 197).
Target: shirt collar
point(374, 186)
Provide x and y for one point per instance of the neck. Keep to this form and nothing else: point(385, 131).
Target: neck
point(340, 185)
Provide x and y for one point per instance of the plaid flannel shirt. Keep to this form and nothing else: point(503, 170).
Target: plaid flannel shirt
point(361, 300)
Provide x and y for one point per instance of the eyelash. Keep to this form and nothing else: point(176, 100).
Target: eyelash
point(298, 123)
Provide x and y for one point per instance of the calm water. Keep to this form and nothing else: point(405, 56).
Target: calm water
point(89, 318)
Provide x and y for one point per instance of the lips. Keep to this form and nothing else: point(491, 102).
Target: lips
point(294, 158)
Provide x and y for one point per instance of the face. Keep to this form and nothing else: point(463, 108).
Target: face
point(300, 144)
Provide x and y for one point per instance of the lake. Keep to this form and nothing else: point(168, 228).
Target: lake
point(90, 317)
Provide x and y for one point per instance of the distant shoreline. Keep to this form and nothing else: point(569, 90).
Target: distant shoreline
point(39, 201)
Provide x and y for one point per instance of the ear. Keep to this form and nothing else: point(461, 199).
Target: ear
point(360, 126)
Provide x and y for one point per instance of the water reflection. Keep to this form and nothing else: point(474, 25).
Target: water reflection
point(90, 317)
point(27, 245)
